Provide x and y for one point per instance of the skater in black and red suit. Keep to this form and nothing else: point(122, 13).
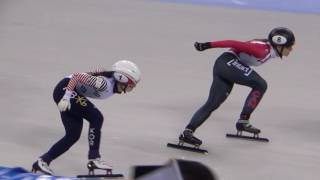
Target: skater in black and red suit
point(233, 67)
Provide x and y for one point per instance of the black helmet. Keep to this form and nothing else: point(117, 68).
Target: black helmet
point(281, 36)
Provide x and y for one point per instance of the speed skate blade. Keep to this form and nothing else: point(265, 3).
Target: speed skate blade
point(247, 137)
point(101, 176)
point(187, 148)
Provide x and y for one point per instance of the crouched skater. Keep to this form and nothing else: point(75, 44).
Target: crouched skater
point(234, 67)
point(71, 95)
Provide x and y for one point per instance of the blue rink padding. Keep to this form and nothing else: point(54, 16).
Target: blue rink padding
point(18, 173)
point(295, 6)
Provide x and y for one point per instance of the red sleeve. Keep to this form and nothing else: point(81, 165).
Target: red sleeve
point(84, 78)
point(256, 49)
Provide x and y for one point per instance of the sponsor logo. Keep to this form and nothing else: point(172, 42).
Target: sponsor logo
point(235, 63)
point(81, 100)
point(91, 136)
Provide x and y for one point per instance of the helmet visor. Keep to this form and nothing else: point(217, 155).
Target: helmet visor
point(130, 85)
point(127, 86)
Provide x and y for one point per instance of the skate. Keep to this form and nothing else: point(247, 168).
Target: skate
point(97, 164)
point(187, 137)
point(245, 126)
point(41, 166)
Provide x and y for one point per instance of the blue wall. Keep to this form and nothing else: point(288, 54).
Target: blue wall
point(18, 173)
point(296, 6)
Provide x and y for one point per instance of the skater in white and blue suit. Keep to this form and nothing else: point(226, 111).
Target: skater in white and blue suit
point(71, 95)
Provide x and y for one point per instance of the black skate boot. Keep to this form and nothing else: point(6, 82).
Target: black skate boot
point(187, 137)
point(41, 166)
point(244, 125)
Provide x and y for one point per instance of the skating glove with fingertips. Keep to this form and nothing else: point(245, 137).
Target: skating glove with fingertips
point(64, 104)
point(202, 46)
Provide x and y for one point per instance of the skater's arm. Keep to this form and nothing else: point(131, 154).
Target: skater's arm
point(94, 81)
point(255, 49)
point(64, 104)
point(97, 82)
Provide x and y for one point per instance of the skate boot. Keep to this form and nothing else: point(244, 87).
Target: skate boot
point(98, 164)
point(41, 166)
point(187, 137)
point(244, 125)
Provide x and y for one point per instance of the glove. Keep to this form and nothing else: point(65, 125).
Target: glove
point(64, 104)
point(100, 83)
point(202, 46)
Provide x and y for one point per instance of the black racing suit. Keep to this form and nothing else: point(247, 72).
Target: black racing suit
point(227, 71)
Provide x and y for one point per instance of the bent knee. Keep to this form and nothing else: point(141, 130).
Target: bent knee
point(96, 120)
point(72, 137)
point(210, 106)
point(261, 85)
point(264, 85)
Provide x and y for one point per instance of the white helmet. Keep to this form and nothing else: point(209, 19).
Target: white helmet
point(126, 72)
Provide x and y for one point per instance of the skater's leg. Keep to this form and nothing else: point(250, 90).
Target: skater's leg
point(95, 118)
point(259, 87)
point(244, 75)
point(73, 128)
point(241, 74)
point(219, 91)
point(83, 108)
point(72, 125)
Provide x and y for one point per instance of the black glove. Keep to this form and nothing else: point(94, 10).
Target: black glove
point(202, 46)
